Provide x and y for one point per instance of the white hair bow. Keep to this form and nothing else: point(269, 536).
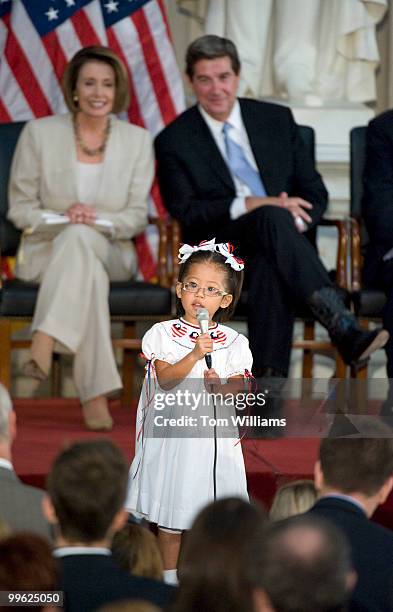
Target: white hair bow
point(224, 248)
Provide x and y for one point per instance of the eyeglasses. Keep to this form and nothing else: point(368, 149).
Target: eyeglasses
point(192, 287)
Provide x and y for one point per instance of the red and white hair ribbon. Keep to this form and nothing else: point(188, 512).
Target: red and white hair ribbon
point(224, 248)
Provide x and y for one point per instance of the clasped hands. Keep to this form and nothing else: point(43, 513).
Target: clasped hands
point(81, 213)
point(296, 206)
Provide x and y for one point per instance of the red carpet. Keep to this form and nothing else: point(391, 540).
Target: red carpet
point(45, 426)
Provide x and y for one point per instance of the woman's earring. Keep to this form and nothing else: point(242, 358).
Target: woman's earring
point(75, 98)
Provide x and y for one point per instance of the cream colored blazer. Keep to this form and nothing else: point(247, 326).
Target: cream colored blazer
point(43, 176)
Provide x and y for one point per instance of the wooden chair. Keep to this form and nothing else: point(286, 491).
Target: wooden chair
point(130, 302)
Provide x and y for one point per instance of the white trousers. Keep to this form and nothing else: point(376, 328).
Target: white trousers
point(74, 270)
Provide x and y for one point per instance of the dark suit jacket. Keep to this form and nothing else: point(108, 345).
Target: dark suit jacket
point(90, 581)
point(195, 181)
point(20, 505)
point(372, 553)
point(378, 186)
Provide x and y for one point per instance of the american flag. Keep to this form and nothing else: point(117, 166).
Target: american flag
point(38, 38)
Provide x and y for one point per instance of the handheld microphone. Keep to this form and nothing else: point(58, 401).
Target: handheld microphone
point(203, 320)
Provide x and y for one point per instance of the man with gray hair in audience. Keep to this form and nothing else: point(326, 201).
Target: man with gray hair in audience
point(20, 504)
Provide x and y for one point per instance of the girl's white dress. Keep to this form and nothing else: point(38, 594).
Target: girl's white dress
point(171, 476)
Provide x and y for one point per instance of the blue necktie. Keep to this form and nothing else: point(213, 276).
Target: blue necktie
point(240, 166)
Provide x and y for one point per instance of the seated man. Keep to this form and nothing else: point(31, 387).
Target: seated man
point(87, 487)
point(236, 169)
point(20, 504)
point(354, 476)
point(378, 216)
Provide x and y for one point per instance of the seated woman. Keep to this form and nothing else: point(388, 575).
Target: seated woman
point(96, 171)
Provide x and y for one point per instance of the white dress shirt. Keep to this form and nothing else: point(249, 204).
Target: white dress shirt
point(64, 551)
point(239, 135)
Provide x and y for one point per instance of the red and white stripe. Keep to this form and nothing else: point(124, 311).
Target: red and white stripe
point(31, 66)
point(177, 331)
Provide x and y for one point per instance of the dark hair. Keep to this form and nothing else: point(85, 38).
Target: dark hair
point(135, 550)
point(130, 605)
point(359, 464)
point(211, 47)
point(87, 486)
point(304, 565)
point(96, 54)
point(234, 281)
point(215, 559)
point(27, 564)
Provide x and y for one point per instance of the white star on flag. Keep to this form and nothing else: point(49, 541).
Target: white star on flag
point(111, 6)
point(52, 14)
point(70, 3)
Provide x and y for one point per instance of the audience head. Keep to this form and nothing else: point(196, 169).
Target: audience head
point(213, 68)
point(215, 558)
point(136, 605)
point(293, 498)
point(27, 564)
point(233, 280)
point(102, 55)
point(7, 417)
point(87, 487)
point(361, 466)
point(304, 566)
point(135, 549)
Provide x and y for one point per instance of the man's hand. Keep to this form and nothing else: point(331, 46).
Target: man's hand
point(296, 206)
point(82, 213)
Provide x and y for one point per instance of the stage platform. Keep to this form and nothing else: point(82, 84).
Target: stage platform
point(45, 426)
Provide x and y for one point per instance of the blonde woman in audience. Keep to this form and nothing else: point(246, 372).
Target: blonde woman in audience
point(293, 498)
point(135, 549)
point(78, 189)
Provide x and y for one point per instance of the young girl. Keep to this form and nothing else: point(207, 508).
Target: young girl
point(173, 478)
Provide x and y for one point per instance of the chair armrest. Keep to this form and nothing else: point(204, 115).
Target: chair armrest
point(176, 242)
point(344, 235)
point(356, 257)
point(163, 273)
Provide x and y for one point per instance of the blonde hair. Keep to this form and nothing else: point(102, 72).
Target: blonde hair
point(135, 549)
point(96, 54)
point(293, 498)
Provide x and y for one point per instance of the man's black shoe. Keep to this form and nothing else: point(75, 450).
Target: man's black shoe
point(353, 343)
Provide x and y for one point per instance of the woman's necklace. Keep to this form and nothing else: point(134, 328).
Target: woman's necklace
point(98, 150)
